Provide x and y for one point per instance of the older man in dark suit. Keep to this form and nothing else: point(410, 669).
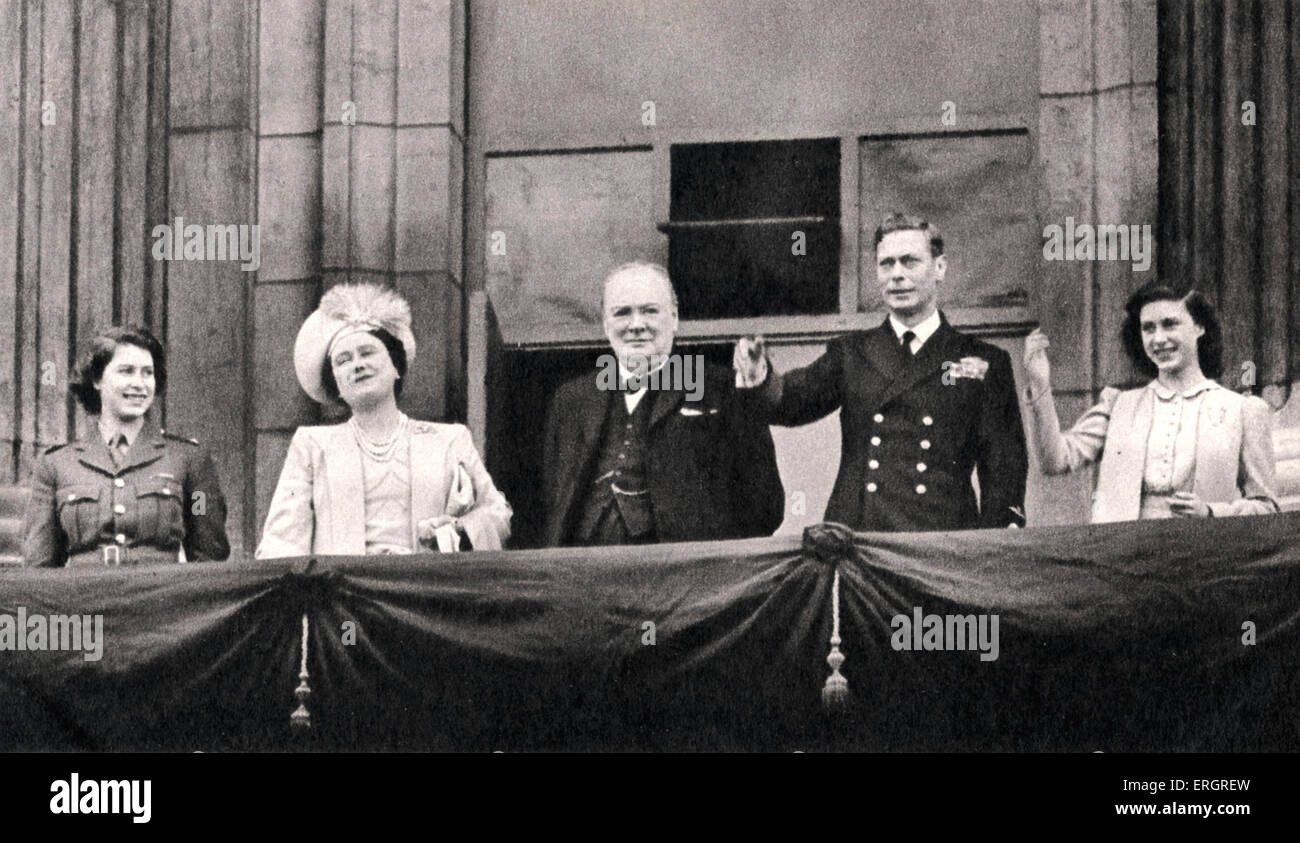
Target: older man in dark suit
point(922, 405)
point(652, 446)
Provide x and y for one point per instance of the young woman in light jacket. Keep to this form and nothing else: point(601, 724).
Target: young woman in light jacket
point(1181, 446)
point(379, 482)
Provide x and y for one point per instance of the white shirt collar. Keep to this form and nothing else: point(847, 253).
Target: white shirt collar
point(1167, 394)
point(632, 397)
point(625, 374)
point(924, 330)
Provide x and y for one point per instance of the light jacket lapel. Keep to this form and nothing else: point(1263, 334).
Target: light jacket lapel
point(347, 494)
point(1218, 444)
point(430, 469)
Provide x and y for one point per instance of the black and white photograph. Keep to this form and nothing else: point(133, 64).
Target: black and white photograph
point(908, 378)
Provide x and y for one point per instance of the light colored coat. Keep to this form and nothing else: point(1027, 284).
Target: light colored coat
point(319, 503)
point(1234, 471)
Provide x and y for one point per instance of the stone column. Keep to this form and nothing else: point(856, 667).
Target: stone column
point(1098, 147)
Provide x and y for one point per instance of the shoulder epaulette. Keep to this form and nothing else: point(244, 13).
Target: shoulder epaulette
point(178, 438)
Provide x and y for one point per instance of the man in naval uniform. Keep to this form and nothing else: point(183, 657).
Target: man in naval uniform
point(921, 404)
point(653, 459)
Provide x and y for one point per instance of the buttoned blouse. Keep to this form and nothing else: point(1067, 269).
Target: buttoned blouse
point(1171, 446)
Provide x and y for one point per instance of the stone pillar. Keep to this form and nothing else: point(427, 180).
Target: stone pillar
point(360, 162)
point(212, 180)
point(392, 173)
point(1098, 146)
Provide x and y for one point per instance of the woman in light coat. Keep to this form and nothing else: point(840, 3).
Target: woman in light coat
point(379, 482)
point(1181, 446)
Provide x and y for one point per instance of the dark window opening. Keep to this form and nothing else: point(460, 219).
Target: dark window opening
point(754, 228)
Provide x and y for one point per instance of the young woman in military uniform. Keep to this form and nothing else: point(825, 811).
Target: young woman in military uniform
point(126, 493)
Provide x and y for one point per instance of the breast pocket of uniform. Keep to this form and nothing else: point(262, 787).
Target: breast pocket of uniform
point(79, 512)
point(161, 517)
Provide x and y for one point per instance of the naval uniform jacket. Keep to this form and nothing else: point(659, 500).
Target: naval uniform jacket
point(911, 432)
point(84, 510)
point(710, 463)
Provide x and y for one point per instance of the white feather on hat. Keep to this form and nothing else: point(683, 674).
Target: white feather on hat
point(344, 307)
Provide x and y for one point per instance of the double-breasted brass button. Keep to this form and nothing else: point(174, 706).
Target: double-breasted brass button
point(871, 487)
point(878, 418)
point(873, 464)
point(875, 440)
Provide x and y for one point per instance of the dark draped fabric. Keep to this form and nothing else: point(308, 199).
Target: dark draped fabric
point(1158, 635)
point(1230, 192)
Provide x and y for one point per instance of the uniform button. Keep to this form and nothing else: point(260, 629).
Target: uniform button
point(925, 444)
point(878, 418)
point(72, 497)
point(166, 490)
point(119, 509)
point(871, 487)
point(875, 440)
point(119, 482)
point(120, 538)
point(927, 421)
point(622, 456)
point(920, 466)
point(873, 464)
point(920, 488)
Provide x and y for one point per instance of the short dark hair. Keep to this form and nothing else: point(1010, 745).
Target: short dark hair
point(99, 349)
point(1209, 348)
point(909, 222)
point(396, 353)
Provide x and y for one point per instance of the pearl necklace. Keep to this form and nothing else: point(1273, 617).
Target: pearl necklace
point(379, 451)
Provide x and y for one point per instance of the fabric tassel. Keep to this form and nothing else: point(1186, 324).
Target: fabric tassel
point(835, 693)
point(301, 717)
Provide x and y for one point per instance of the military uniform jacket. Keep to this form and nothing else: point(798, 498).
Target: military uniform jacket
point(912, 431)
point(710, 464)
point(83, 510)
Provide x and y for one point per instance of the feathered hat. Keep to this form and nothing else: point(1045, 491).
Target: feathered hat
point(346, 309)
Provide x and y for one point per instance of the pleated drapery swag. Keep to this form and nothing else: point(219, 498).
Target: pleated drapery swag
point(1229, 182)
point(1145, 636)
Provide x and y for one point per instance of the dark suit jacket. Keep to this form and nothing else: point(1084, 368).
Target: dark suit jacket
point(711, 466)
point(911, 432)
